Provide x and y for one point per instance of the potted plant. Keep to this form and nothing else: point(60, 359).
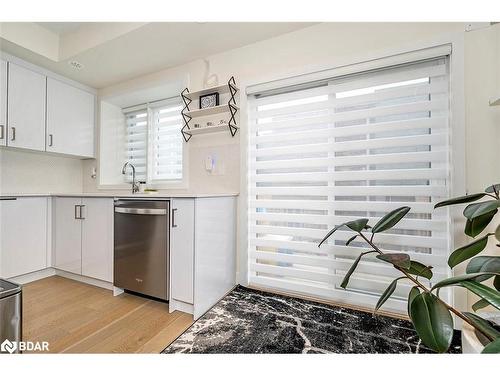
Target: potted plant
point(430, 315)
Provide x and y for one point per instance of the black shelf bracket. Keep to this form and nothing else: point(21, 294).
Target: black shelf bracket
point(185, 117)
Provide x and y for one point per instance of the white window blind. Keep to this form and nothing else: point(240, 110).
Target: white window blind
point(167, 143)
point(154, 144)
point(357, 146)
point(136, 142)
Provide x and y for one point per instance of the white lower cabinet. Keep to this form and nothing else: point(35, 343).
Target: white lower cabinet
point(23, 236)
point(83, 236)
point(67, 239)
point(202, 252)
point(182, 250)
point(97, 238)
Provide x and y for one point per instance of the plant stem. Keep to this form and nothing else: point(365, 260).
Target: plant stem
point(423, 287)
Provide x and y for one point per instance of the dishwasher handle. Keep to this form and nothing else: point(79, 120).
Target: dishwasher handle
point(141, 211)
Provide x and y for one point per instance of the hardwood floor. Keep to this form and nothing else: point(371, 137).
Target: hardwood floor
point(79, 318)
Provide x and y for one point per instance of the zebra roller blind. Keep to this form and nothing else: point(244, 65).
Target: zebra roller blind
point(154, 143)
point(357, 146)
point(137, 143)
point(167, 143)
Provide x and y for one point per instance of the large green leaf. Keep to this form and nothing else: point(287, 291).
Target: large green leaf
point(497, 233)
point(468, 251)
point(492, 188)
point(419, 269)
point(458, 279)
point(351, 239)
point(353, 268)
point(390, 219)
point(397, 259)
point(483, 324)
point(432, 321)
point(411, 296)
point(357, 225)
point(460, 200)
point(481, 304)
point(485, 292)
point(484, 263)
point(387, 293)
point(332, 231)
point(475, 210)
point(492, 348)
point(476, 226)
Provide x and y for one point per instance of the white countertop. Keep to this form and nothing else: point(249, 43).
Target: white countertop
point(120, 195)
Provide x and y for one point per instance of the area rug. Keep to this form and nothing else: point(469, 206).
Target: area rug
point(250, 321)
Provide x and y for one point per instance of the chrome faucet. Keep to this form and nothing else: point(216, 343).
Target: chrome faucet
point(135, 185)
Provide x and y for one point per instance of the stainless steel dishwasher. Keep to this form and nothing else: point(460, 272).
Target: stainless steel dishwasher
point(141, 251)
point(10, 314)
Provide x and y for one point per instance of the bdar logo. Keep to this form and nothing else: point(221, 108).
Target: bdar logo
point(8, 346)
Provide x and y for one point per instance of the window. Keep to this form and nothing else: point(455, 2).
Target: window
point(356, 146)
point(137, 141)
point(154, 143)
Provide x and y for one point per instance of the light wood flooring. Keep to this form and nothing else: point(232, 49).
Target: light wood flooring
point(79, 318)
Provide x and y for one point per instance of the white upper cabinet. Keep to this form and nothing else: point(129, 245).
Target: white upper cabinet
point(26, 108)
point(70, 119)
point(3, 103)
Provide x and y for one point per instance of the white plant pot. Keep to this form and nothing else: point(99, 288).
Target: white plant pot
point(470, 342)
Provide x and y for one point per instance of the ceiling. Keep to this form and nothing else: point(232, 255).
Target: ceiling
point(142, 48)
point(61, 28)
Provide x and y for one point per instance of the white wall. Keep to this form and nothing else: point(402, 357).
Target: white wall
point(30, 172)
point(482, 81)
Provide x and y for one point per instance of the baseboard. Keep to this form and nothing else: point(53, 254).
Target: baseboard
point(33, 276)
point(85, 279)
point(174, 305)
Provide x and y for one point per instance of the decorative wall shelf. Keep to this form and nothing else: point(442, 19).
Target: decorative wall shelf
point(231, 108)
point(222, 89)
point(210, 111)
point(208, 129)
point(495, 101)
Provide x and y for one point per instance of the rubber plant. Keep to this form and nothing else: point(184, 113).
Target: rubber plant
point(430, 315)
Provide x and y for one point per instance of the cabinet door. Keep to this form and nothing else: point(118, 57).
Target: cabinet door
point(97, 238)
point(70, 119)
point(23, 236)
point(3, 103)
point(67, 235)
point(26, 108)
point(182, 250)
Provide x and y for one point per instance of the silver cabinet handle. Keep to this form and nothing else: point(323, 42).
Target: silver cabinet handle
point(173, 218)
point(140, 211)
point(76, 211)
point(51, 140)
point(2, 135)
point(13, 138)
point(81, 217)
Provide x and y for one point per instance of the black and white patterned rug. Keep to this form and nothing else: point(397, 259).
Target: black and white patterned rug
point(250, 321)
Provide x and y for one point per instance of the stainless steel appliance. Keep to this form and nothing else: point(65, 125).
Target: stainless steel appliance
point(142, 246)
point(10, 314)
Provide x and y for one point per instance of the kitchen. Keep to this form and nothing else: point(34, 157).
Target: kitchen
point(162, 194)
point(117, 237)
